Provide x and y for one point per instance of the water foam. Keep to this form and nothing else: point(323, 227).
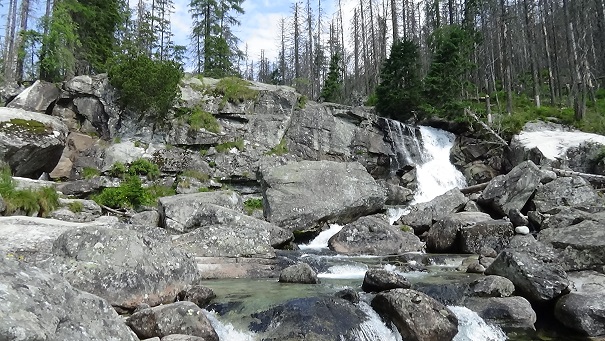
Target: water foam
point(321, 241)
point(471, 327)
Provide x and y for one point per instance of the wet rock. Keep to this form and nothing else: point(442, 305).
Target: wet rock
point(416, 315)
point(511, 312)
point(581, 246)
point(176, 318)
point(475, 267)
point(443, 234)
point(582, 312)
point(125, 267)
point(377, 280)
point(492, 233)
point(517, 218)
point(373, 236)
point(36, 305)
point(423, 215)
point(534, 279)
point(513, 190)
point(222, 232)
point(492, 286)
point(198, 294)
point(348, 294)
point(301, 195)
point(299, 273)
point(30, 143)
point(181, 213)
point(37, 98)
point(314, 318)
point(566, 191)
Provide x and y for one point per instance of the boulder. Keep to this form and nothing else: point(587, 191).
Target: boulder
point(377, 280)
point(492, 286)
point(373, 236)
point(582, 312)
point(581, 246)
point(312, 318)
point(566, 191)
point(198, 294)
point(36, 305)
point(534, 279)
point(443, 234)
point(77, 210)
point(76, 143)
point(93, 110)
point(562, 216)
point(423, 215)
point(491, 233)
point(299, 273)
point(37, 98)
point(180, 213)
point(146, 218)
point(301, 195)
point(513, 190)
point(175, 318)
point(222, 232)
point(417, 316)
point(517, 218)
point(396, 195)
point(511, 312)
point(123, 266)
point(478, 158)
point(32, 238)
point(30, 143)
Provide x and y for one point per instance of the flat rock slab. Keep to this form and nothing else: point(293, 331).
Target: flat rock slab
point(301, 195)
point(582, 246)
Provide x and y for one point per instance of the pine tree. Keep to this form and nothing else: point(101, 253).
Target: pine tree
point(399, 92)
point(331, 91)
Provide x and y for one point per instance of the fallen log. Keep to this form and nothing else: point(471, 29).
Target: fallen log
point(474, 188)
point(498, 138)
point(111, 210)
point(594, 179)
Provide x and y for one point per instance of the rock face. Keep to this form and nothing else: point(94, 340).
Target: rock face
point(299, 273)
point(125, 267)
point(37, 98)
point(536, 280)
point(581, 246)
point(491, 233)
point(566, 191)
point(417, 316)
point(36, 305)
point(377, 280)
point(479, 160)
point(443, 234)
point(313, 318)
point(30, 143)
point(513, 190)
point(176, 318)
point(301, 195)
point(223, 232)
point(423, 215)
point(373, 236)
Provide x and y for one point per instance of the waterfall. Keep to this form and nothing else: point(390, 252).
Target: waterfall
point(472, 327)
point(374, 328)
point(226, 331)
point(321, 241)
point(404, 143)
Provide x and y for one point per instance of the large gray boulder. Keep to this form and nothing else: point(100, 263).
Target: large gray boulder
point(492, 286)
point(222, 232)
point(180, 213)
point(513, 190)
point(125, 267)
point(299, 273)
point(36, 305)
point(30, 143)
point(311, 318)
point(377, 280)
point(373, 236)
point(176, 318)
point(495, 234)
point(511, 312)
point(417, 316)
point(581, 246)
point(32, 238)
point(423, 215)
point(534, 279)
point(37, 98)
point(584, 313)
point(301, 195)
point(442, 236)
point(566, 191)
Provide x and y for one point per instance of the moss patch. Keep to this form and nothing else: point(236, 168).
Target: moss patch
point(252, 205)
point(29, 126)
point(234, 90)
point(280, 149)
point(227, 146)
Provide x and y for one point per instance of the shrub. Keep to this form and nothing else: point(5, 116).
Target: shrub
point(118, 170)
point(89, 172)
point(145, 85)
point(40, 202)
point(203, 119)
point(301, 102)
point(252, 205)
point(130, 194)
point(144, 167)
point(227, 146)
point(234, 90)
point(75, 206)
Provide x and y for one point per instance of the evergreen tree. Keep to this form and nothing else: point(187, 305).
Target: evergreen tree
point(398, 94)
point(331, 91)
point(57, 59)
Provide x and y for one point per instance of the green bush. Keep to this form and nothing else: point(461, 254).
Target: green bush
point(252, 205)
point(144, 167)
point(145, 85)
point(203, 119)
point(75, 206)
point(227, 146)
point(118, 170)
point(301, 102)
point(157, 191)
point(234, 90)
point(89, 172)
point(40, 202)
point(130, 194)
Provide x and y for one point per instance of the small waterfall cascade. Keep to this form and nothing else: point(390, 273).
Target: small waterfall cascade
point(405, 143)
point(321, 241)
point(472, 327)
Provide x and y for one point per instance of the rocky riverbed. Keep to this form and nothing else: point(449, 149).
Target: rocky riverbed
point(525, 223)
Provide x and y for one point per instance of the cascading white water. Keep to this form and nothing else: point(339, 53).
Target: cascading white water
point(226, 331)
point(554, 143)
point(471, 327)
point(321, 241)
point(374, 328)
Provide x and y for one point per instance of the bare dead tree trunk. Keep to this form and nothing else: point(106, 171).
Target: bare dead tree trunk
point(506, 57)
point(394, 19)
point(25, 8)
point(572, 51)
point(529, 29)
point(9, 42)
point(551, 80)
